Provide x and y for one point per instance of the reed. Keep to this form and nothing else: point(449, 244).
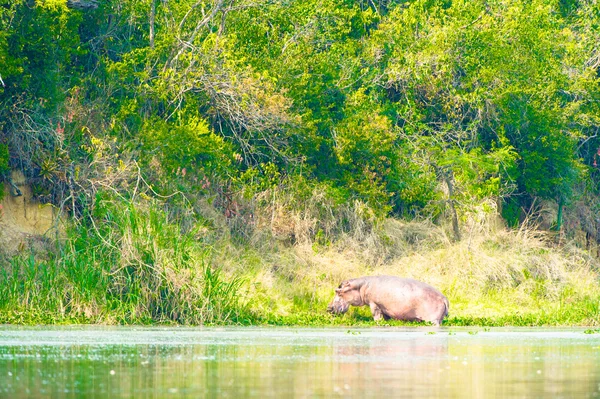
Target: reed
point(137, 268)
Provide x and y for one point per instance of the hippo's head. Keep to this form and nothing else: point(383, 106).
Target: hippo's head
point(338, 305)
point(345, 295)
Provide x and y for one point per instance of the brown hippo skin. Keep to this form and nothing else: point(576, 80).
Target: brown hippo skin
point(392, 297)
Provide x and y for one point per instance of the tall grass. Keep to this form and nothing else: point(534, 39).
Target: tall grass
point(493, 276)
point(131, 265)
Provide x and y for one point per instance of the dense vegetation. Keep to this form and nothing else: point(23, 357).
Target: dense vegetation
point(198, 147)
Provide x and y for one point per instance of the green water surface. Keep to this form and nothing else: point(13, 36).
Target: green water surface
point(125, 362)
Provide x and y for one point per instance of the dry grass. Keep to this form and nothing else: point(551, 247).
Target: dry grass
point(493, 272)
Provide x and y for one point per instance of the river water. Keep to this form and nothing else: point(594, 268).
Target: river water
point(124, 362)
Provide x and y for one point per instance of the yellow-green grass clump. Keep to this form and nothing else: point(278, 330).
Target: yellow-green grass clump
point(491, 277)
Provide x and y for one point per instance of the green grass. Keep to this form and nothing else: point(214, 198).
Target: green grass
point(582, 314)
point(592, 331)
point(137, 268)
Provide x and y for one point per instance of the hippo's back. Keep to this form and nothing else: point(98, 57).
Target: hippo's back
point(406, 298)
point(395, 283)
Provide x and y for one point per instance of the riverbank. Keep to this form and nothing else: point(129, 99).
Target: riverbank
point(163, 163)
point(498, 277)
point(141, 270)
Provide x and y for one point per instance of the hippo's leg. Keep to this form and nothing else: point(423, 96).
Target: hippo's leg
point(376, 311)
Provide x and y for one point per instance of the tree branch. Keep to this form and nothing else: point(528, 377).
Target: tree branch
point(82, 5)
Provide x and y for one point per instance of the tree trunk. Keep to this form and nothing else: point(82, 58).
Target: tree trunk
point(152, 19)
point(449, 178)
point(559, 215)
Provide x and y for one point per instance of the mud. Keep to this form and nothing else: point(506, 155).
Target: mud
point(24, 222)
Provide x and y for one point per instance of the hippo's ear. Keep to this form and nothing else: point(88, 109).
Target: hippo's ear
point(345, 286)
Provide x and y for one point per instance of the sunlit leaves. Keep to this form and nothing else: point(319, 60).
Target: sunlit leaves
point(188, 148)
point(380, 100)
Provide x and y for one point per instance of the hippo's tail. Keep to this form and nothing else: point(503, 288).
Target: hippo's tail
point(447, 306)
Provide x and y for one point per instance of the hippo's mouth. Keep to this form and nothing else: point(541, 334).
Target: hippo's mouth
point(337, 306)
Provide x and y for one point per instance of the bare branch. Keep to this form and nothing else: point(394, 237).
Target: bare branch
point(201, 24)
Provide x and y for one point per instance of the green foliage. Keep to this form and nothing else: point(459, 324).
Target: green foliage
point(42, 43)
point(488, 77)
point(189, 147)
point(4, 166)
point(382, 101)
point(4, 158)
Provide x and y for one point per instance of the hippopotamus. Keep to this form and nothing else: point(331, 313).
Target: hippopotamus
point(391, 297)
